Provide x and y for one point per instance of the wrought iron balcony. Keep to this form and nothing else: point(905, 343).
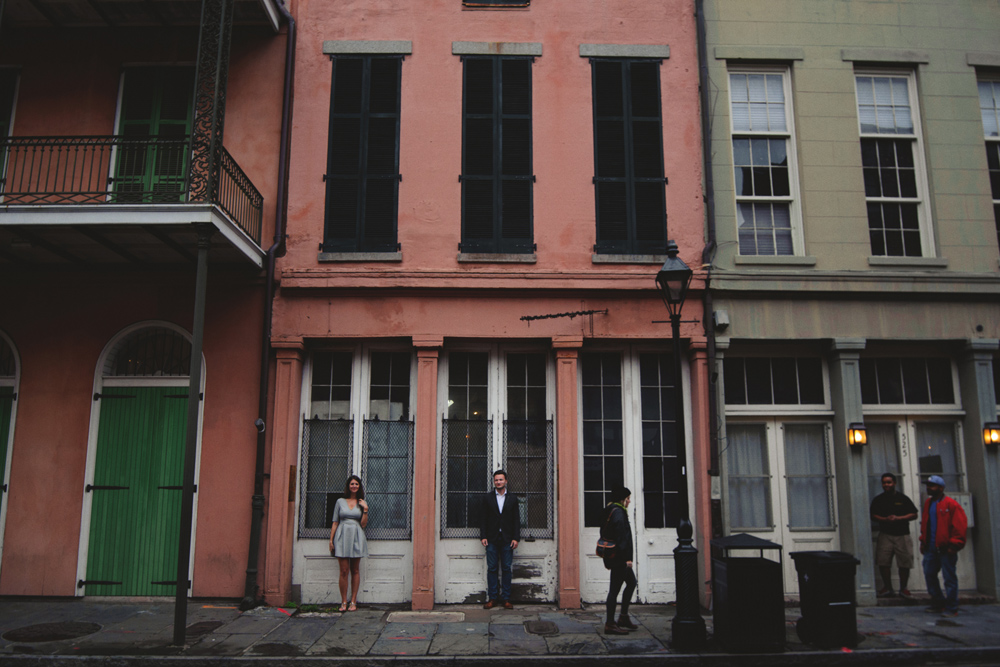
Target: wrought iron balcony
point(119, 170)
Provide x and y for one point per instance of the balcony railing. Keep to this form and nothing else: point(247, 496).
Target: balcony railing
point(118, 170)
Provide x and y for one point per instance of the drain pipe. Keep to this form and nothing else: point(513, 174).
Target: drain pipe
point(276, 250)
point(708, 256)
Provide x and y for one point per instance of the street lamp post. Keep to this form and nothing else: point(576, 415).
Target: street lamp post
point(688, 627)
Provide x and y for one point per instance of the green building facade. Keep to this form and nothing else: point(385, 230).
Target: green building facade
point(855, 269)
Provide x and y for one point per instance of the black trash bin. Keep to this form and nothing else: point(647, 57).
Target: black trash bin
point(748, 604)
point(827, 598)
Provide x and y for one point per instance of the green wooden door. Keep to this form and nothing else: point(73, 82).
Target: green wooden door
point(155, 122)
point(135, 511)
point(6, 407)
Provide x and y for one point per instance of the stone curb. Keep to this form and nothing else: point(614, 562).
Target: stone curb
point(915, 656)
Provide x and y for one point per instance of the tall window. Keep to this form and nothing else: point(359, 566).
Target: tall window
point(496, 155)
point(362, 179)
point(603, 432)
point(807, 474)
point(989, 105)
point(155, 125)
point(763, 155)
point(748, 477)
point(891, 156)
point(516, 417)
point(776, 428)
point(468, 443)
point(628, 157)
point(358, 422)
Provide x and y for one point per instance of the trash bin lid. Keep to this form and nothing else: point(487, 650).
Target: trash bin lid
point(823, 557)
point(743, 541)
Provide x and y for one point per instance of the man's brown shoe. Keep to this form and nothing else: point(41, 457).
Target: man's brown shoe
point(625, 622)
point(490, 604)
point(613, 629)
point(507, 604)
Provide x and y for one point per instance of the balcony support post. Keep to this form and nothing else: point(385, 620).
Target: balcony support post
point(211, 77)
point(191, 444)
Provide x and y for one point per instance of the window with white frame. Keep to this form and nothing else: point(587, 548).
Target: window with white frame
point(892, 161)
point(989, 105)
point(767, 212)
point(906, 381)
point(497, 396)
point(607, 379)
point(358, 421)
point(777, 420)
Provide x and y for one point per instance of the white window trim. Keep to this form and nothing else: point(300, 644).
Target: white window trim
point(995, 80)
point(794, 197)
point(924, 218)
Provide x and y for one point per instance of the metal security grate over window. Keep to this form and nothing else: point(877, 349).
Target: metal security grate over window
point(387, 471)
point(467, 450)
point(528, 459)
point(326, 464)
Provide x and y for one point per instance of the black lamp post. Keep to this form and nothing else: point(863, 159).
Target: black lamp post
point(688, 627)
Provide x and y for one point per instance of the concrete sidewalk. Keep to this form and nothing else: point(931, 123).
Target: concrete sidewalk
point(45, 631)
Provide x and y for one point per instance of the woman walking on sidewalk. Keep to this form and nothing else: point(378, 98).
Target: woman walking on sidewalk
point(617, 529)
point(347, 538)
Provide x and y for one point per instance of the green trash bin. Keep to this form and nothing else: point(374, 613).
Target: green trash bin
point(827, 598)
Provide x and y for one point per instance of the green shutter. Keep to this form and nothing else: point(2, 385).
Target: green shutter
point(6, 407)
point(134, 529)
point(155, 121)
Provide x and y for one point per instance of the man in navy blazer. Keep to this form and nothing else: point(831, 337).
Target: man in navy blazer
point(499, 531)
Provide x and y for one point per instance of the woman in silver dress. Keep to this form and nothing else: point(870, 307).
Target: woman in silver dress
point(347, 538)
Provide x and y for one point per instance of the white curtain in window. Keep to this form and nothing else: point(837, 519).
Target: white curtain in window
point(807, 473)
point(883, 456)
point(936, 453)
point(748, 476)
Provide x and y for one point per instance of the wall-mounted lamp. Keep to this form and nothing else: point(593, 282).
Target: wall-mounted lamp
point(856, 434)
point(991, 433)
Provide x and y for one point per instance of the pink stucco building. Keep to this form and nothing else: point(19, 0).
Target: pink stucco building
point(480, 198)
point(105, 211)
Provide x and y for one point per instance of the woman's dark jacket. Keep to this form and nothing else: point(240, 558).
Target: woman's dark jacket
point(616, 528)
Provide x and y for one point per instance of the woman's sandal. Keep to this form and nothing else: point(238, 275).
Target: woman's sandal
point(343, 606)
point(353, 607)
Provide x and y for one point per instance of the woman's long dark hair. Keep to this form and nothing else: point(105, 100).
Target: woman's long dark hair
point(361, 488)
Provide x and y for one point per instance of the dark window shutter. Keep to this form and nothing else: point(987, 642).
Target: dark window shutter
point(8, 81)
point(363, 155)
point(496, 155)
point(628, 157)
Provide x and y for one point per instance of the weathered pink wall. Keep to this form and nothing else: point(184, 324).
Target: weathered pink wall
point(60, 321)
point(60, 325)
point(431, 122)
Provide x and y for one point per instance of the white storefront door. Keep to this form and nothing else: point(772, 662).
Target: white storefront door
point(358, 422)
point(628, 437)
point(496, 404)
point(913, 449)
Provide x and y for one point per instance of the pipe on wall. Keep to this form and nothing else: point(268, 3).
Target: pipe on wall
point(276, 250)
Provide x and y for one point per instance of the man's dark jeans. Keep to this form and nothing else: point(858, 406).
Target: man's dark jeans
point(502, 556)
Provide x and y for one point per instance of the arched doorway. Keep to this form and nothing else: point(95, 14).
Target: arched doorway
point(132, 499)
point(9, 376)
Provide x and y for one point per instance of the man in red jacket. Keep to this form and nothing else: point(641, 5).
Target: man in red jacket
point(942, 535)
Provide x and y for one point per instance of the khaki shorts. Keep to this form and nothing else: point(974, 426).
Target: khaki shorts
point(900, 545)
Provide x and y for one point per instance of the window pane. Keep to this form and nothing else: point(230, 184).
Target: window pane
point(602, 424)
point(937, 454)
point(748, 476)
point(807, 475)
